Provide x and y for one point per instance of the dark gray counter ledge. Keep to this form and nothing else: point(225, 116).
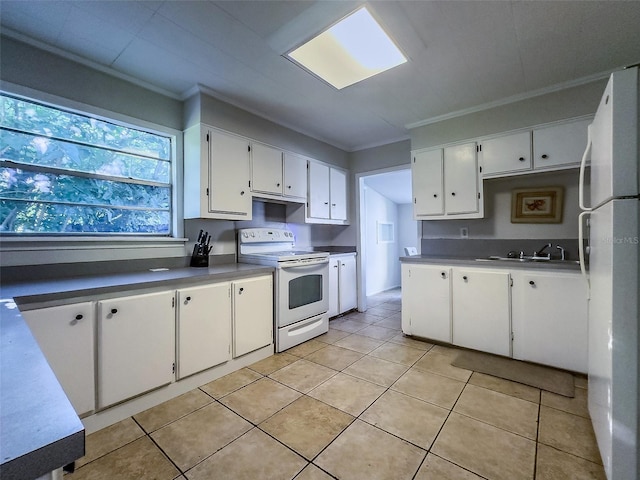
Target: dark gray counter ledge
point(40, 430)
point(475, 262)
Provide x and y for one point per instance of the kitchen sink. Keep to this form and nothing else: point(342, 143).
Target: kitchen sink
point(527, 259)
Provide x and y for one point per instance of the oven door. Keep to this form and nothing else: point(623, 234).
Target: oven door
point(302, 291)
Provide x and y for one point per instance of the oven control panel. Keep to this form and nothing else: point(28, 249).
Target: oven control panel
point(265, 235)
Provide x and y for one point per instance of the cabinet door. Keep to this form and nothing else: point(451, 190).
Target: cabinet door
point(550, 319)
point(559, 145)
point(65, 336)
point(318, 190)
point(295, 176)
point(266, 173)
point(334, 287)
point(481, 301)
point(426, 301)
point(229, 175)
point(461, 179)
point(136, 345)
point(509, 153)
point(203, 327)
point(338, 194)
point(348, 283)
point(252, 314)
point(427, 177)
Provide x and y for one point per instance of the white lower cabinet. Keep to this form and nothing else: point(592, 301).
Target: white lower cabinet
point(426, 301)
point(252, 314)
point(203, 320)
point(481, 309)
point(550, 319)
point(65, 335)
point(343, 289)
point(136, 345)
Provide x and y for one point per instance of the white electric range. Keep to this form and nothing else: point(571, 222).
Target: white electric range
point(301, 283)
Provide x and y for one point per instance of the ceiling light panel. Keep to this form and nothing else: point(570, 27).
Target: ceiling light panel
point(350, 51)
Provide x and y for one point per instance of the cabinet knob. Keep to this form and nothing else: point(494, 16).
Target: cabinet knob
point(289, 186)
point(79, 316)
point(277, 184)
point(521, 159)
point(114, 311)
point(188, 299)
point(465, 278)
point(532, 283)
point(333, 204)
point(240, 290)
point(242, 192)
point(335, 266)
point(545, 156)
point(326, 203)
point(435, 195)
point(453, 193)
point(443, 275)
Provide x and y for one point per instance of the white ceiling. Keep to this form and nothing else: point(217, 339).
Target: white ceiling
point(396, 185)
point(462, 54)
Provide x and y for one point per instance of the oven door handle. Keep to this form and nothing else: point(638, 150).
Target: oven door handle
point(315, 263)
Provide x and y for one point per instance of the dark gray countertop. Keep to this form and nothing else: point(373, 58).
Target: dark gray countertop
point(40, 430)
point(474, 262)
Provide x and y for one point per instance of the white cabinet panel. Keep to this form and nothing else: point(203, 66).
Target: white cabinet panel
point(136, 345)
point(461, 179)
point(318, 190)
point(252, 314)
point(295, 176)
point(338, 194)
point(216, 174)
point(427, 179)
point(550, 319)
point(481, 302)
point(229, 174)
point(508, 153)
point(65, 335)
point(559, 145)
point(348, 283)
point(203, 327)
point(266, 172)
point(426, 301)
point(334, 287)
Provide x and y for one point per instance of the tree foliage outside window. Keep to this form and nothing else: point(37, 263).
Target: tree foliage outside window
point(66, 173)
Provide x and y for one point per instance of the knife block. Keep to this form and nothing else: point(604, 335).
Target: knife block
point(199, 260)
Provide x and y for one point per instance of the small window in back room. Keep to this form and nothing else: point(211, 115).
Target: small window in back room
point(66, 173)
point(385, 232)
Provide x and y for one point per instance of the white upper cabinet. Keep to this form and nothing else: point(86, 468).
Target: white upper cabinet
point(318, 190)
point(507, 153)
point(295, 176)
point(266, 171)
point(216, 174)
point(338, 194)
point(461, 179)
point(427, 178)
point(447, 184)
point(560, 145)
point(278, 173)
point(327, 194)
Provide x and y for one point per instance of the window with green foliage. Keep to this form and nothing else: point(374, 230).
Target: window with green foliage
point(66, 173)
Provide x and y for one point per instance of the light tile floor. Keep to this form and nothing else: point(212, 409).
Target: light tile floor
point(360, 402)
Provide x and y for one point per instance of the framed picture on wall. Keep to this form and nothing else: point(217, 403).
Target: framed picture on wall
point(537, 205)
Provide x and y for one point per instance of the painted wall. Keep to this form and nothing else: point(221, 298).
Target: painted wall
point(407, 229)
point(564, 104)
point(27, 66)
point(382, 268)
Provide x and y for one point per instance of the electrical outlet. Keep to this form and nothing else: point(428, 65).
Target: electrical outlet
point(464, 232)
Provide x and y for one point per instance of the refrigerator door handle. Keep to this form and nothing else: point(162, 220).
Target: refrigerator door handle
point(581, 252)
point(585, 156)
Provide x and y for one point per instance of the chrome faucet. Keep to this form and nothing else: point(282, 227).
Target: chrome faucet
point(562, 252)
point(540, 253)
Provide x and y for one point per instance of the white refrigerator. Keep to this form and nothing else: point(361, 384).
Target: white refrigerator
point(613, 273)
